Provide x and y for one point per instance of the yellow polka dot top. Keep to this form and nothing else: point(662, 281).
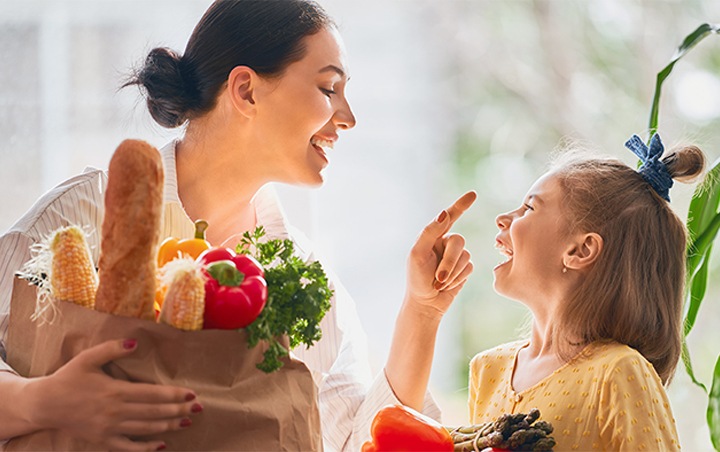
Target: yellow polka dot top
point(609, 397)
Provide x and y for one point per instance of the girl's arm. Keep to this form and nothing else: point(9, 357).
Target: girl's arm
point(635, 412)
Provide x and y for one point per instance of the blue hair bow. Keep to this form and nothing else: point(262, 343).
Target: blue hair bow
point(653, 170)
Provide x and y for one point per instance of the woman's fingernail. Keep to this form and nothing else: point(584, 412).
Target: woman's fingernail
point(196, 408)
point(161, 447)
point(190, 396)
point(442, 276)
point(438, 285)
point(442, 216)
point(185, 422)
point(129, 344)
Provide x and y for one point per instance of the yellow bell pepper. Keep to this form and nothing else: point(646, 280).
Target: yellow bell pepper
point(172, 247)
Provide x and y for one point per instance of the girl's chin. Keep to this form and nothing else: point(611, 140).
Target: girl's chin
point(504, 287)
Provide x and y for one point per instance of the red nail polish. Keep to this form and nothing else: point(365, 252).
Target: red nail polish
point(442, 276)
point(442, 216)
point(129, 344)
point(190, 396)
point(185, 422)
point(196, 408)
point(161, 447)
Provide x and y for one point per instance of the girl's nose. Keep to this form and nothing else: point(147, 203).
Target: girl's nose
point(503, 221)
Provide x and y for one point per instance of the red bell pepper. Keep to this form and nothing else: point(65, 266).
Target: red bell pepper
point(400, 428)
point(235, 289)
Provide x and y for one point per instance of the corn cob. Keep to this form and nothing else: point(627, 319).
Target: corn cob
point(72, 275)
point(184, 303)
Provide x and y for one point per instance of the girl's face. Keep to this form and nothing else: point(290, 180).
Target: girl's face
point(533, 238)
point(300, 114)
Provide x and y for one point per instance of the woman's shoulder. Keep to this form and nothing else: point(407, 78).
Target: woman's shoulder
point(77, 200)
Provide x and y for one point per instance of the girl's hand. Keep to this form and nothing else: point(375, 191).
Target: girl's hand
point(439, 265)
point(82, 400)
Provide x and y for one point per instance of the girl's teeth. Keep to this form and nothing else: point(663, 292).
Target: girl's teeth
point(324, 144)
point(503, 250)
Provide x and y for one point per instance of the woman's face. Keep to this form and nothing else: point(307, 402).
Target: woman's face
point(300, 114)
point(533, 239)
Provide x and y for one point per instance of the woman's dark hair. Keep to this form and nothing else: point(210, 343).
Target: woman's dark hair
point(265, 35)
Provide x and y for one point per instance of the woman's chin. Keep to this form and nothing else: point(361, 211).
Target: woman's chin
point(315, 181)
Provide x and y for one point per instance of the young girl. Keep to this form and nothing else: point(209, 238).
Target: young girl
point(260, 90)
point(597, 255)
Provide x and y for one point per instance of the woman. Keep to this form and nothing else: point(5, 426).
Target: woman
point(261, 91)
point(598, 256)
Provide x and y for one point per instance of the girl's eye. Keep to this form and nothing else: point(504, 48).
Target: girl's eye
point(327, 92)
point(528, 206)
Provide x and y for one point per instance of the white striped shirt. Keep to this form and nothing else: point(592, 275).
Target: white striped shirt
point(348, 395)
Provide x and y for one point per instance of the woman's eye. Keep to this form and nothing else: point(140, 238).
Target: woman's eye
point(528, 206)
point(327, 92)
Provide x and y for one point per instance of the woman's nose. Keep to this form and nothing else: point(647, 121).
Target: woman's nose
point(344, 117)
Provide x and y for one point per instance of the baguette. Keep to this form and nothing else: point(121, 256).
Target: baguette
point(131, 231)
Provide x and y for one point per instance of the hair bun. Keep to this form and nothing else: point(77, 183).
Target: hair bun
point(685, 163)
point(168, 92)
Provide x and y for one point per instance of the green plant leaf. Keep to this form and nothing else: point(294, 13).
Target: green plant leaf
point(696, 292)
point(688, 43)
point(688, 365)
point(713, 409)
point(703, 219)
point(701, 244)
point(703, 224)
point(704, 203)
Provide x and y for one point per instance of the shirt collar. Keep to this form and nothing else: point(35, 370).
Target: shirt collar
point(268, 211)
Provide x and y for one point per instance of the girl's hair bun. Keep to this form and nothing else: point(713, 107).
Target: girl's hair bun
point(685, 163)
point(167, 87)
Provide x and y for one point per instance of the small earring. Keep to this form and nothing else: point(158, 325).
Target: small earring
point(564, 270)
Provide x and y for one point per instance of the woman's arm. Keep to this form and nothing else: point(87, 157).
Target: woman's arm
point(438, 267)
point(82, 400)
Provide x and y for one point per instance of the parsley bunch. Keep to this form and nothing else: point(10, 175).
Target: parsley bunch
point(298, 297)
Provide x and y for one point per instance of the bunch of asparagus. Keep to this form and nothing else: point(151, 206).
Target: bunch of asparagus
point(509, 432)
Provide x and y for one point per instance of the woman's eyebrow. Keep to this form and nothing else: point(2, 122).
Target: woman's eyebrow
point(333, 68)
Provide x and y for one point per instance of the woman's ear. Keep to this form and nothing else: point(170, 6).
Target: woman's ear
point(241, 85)
point(584, 251)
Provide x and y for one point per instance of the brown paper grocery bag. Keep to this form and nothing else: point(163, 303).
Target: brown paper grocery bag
point(244, 408)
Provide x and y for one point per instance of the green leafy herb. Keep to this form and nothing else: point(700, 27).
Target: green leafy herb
point(298, 297)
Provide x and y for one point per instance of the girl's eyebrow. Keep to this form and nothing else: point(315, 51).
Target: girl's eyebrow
point(536, 199)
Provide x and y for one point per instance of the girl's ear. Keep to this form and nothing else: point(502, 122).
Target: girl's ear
point(241, 85)
point(584, 251)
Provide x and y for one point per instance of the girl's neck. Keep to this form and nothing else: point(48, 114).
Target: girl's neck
point(213, 186)
point(541, 357)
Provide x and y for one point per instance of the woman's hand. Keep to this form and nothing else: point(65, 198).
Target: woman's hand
point(82, 400)
point(439, 265)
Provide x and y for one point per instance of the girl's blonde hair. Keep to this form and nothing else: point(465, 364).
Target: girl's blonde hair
point(634, 292)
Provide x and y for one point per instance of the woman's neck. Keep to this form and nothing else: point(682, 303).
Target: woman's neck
point(213, 186)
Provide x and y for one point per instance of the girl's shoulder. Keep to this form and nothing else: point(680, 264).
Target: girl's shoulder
point(612, 352)
point(501, 353)
point(616, 360)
